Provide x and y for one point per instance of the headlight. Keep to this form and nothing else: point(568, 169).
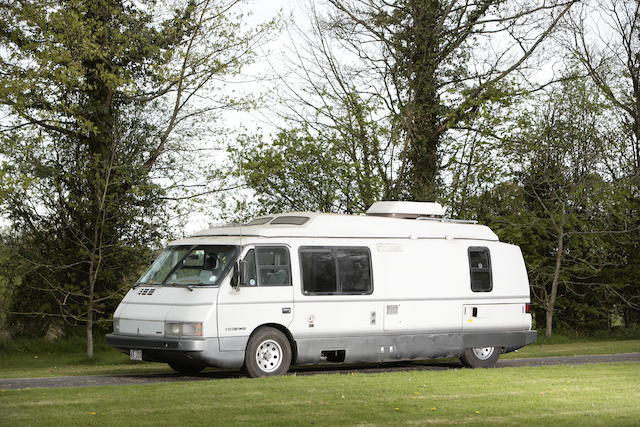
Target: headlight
point(179, 329)
point(116, 325)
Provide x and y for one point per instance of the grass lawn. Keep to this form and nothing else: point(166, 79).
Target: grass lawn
point(599, 394)
point(34, 358)
point(564, 347)
point(37, 358)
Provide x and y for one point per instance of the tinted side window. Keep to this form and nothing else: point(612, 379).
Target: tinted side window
point(273, 266)
point(354, 270)
point(318, 271)
point(480, 269)
point(336, 270)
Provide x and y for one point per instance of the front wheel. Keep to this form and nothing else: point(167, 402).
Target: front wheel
point(268, 353)
point(480, 357)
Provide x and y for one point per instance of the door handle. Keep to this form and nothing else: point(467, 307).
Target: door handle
point(286, 310)
point(474, 312)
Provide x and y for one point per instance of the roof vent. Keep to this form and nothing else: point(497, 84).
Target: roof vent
point(410, 210)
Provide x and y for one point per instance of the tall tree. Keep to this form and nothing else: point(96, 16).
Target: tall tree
point(94, 92)
point(423, 68)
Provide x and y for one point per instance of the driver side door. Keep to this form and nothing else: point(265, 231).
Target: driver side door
point(265, 297)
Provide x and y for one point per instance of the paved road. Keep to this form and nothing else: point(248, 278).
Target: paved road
point(125, 379)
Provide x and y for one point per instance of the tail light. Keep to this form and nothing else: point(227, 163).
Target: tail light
point(528, 308)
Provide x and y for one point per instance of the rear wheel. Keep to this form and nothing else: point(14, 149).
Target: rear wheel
point(480, 357)
point(268, 353)
point(186, 369)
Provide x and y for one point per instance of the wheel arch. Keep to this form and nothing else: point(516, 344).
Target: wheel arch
point(286, 332)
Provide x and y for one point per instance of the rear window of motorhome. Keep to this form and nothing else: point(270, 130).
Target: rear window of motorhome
point(480, 269)
point(336, 270)
point(268, 266)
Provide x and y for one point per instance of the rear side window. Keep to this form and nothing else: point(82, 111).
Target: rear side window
point(480, 269)
point(318, 271)
point(336, 270)
point(265, 266)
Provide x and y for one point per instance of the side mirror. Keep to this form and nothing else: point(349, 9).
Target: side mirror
point(237, 278)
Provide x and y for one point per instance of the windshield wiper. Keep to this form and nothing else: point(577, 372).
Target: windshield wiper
point(146, 284)
point(188, 285)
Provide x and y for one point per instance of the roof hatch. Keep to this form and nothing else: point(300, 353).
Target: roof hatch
point(410, 210)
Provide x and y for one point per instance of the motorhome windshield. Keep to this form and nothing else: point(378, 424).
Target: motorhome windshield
point(190, 265)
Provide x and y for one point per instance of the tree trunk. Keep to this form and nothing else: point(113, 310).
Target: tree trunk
point(548, 330)
point(551, 304)
point(90, 332)
point(89, 326)
point(417, 45)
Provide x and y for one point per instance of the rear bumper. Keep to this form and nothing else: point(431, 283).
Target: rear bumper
point(510, 341)
point(194, 351)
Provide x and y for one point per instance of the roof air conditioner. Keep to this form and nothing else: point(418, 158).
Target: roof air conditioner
point(410, 210)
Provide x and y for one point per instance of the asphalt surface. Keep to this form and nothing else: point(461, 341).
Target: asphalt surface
point(127, 379)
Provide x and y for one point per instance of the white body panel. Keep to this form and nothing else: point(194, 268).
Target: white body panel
point(242, 310)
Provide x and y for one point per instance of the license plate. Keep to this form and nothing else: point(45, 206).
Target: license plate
point(135, 354)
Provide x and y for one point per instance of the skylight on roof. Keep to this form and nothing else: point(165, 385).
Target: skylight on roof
point(290, 220)
point(260, 221)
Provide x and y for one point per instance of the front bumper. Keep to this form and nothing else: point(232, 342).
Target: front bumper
point(126, 342)
point(200, 351)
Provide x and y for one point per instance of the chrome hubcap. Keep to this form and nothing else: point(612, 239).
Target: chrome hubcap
point(269, 356)
point(483, 353)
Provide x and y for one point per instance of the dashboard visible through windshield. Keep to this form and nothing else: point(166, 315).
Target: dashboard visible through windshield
point(190, 265)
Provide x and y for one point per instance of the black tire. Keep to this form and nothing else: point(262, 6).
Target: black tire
point(186, 369)
point(480, 357)
point(268, 353)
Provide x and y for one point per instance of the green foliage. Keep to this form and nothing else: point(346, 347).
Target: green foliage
point(302, 172)
point(10, 279)
point(563, 209)
point(94, 91)
point(76, 195)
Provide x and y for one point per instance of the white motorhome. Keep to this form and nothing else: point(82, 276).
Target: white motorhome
point(401, 283)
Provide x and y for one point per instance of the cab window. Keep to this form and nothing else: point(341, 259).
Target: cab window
point(267, 266)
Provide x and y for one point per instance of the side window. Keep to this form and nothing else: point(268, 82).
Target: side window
point(318, 271)
point(336, 270)
point(250, 276)
point(354, 270)
point(480, 269)
point(273, 266)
